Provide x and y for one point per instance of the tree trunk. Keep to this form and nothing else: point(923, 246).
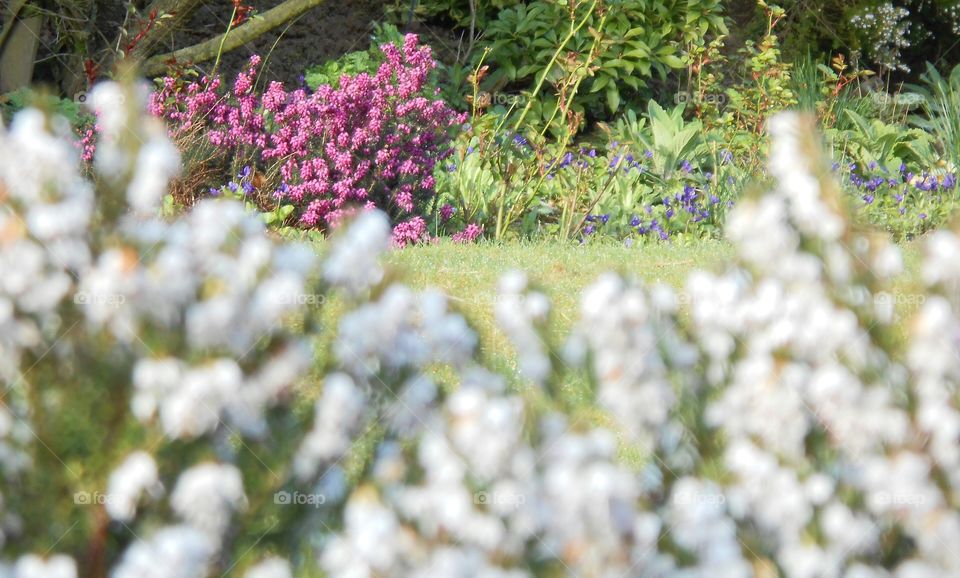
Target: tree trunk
point(19, 41)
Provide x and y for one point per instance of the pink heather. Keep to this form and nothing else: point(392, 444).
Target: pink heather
point(374, 140)
point(469, 234)
point(410, 232)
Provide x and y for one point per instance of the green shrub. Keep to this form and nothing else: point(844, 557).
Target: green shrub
point(617, 47)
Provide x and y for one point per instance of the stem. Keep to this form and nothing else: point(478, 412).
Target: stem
point(216, 63)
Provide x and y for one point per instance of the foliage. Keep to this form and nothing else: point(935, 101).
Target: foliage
point(941, 111)
point(462, 13)
point(354, 63)
point(636, 40)
point(22, 98)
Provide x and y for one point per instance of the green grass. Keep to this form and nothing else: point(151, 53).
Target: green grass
point(468, 274)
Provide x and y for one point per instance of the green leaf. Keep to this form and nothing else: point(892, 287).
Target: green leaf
point(613, 97)
point(672, 61)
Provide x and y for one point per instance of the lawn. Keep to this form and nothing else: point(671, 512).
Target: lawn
point(468, 273)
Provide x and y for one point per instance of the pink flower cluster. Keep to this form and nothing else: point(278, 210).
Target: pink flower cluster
point(469, 234)
point(372, 142)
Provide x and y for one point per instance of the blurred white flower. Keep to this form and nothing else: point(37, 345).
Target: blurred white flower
point(206, 497)
point(353, 263)
point(171, 552)
point(270, 568)
point(134, 477)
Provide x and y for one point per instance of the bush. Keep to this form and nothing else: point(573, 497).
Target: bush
point(372, 141)
point(153, 427)
point(609, 51)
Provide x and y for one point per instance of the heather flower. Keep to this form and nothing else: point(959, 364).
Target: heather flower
point(469, 234)
point(372, 139)
point(410, 232)
point(446, 212)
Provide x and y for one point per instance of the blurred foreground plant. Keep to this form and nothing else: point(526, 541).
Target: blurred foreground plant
point(158, 422)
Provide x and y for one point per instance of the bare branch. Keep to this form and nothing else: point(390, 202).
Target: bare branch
point(237, 37)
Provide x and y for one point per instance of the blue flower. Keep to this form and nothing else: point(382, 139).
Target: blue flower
point(248, 188)
point(635, 221)
point(686, 166)
point(589, 229)
point(214, 192)
point(648, 154)
point(233, 186)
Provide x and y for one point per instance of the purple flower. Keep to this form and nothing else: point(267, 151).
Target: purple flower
point(686, 166)
point(446, 212)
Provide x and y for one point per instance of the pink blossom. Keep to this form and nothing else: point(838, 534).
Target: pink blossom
point(469, 234)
